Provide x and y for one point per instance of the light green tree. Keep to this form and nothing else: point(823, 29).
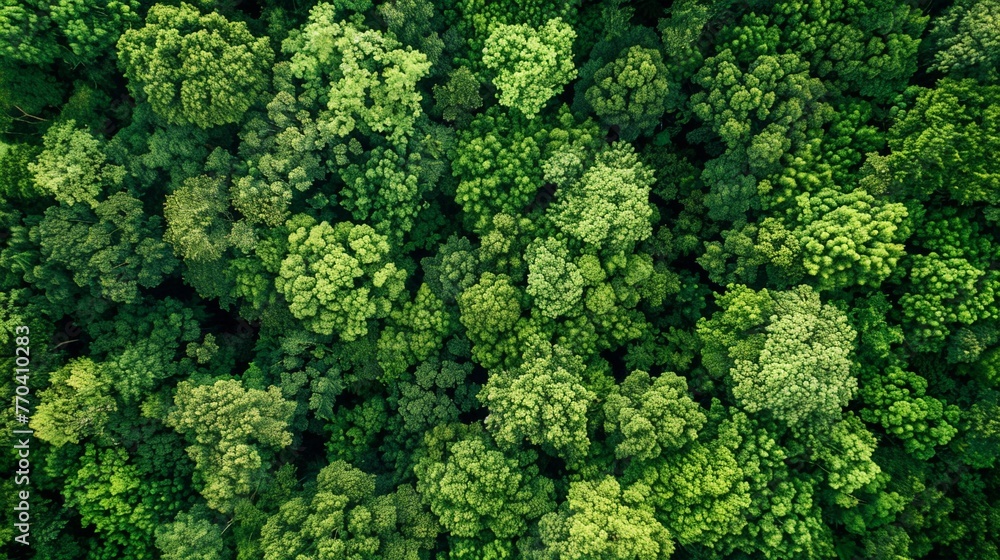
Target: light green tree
point(631, 92)
point(191, 536)
point(803, 372)
point(72, 167)
point(554, 281)
point(530, 65)
point(473, 487)
point(543, 401)
point(77, 404)
point(336, 278)
point(222, 421)
point(608, 208)
point(850, 239)
point(649, 417)
point(599, 521)
point(341, 517)
point(196, 219)
point(195, 69)
point(366, 79)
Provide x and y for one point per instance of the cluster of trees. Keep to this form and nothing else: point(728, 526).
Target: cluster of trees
point(503, 279)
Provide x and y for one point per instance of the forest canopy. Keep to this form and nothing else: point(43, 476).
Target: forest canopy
point(512, 279)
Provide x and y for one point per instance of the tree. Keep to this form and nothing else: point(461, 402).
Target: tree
point(701, 494)
point(897, 399)
point(543, 401)
point(108, 491)
point(416, 23)
point(144, 344)
point(386, 190)
point(797, 365)
point(195, 216)
point(473, 21)
point(530, 65)
point(452, 270)
point(341, 516)
point(76, 404)
point(763, 112)
point(321, 274)
point(475, 488)
point(112, 250)
point(940, 145)
point(365, 79)
point(850, 239)
point(72, 166)
point(608, 208)
point(91, 29)
point(493, 164)
point(195, 69)
point(424, 401)
point(943, 292)
point(489, 310)
point(649, 417)
point(599, 521)
point(221, 421)
point(415, 333)
point(630, 92)
point(804, 368)
point(554, 281)
point(26, 31)
point(458, 97)
point(191, 535)
point(886, 35)
point(964, 42)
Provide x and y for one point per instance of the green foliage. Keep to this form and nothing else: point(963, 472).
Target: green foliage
point(190, 535)
point(195, 216)
point(608, 208)
point(650, 416)
point(630, 92)
point(26, 31)
point(344, 518)
point(365, 79)
point(459, 96)
point(964, 41)
point(490, 308)
point(194, 69)
point(416, 332)
point(107, 491)
point(494, 163)
point(320, 278)
point(141, 345)
point(941, 144)
point(91, 29)
point(554, 281)
point(72, 166)
point(797, 363)
point(599, 521)
point(433, 280)
point(850, 239)
point(385, 190)
point(473, 488)
point(543, 401)
point(897, 399)
point(113, 250)
point(530, 65)
point(701, 494)
point(78, 403)
point(946, 291)
point(221, 421)
point(884, 35)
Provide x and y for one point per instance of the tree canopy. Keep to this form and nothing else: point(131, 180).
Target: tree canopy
point(500, 279)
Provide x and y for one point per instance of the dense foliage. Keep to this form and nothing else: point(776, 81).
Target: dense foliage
point(514, 279)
